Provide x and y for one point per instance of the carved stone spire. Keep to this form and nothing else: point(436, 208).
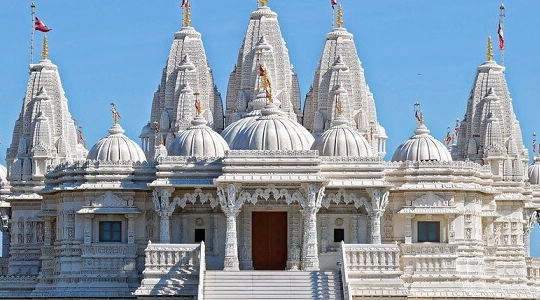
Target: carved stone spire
point(490, 125)
point(187, 70)
point(262, 45)
point(45, 133)
point(340, 67)
point(44, 136)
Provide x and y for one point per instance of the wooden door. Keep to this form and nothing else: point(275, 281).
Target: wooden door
point(269, 240)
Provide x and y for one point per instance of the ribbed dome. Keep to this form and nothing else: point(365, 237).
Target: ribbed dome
point(422, 147)
point(534, 172)
point(116, 147)
point(272, 131)
point(229, 133)
point(342, 140)
point(199, 140)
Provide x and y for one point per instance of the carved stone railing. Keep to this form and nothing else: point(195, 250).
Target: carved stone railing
point(109, 257)
point(429, 259)
point(372, 270)
point(533, 270)
point(172, 270)
point(4, 261)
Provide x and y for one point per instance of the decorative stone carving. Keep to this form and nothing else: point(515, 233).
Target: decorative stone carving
point(230, 204)
point(164, 208)
point(310, 206)
point(379, 201)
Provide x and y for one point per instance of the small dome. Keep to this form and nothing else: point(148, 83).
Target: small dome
point(116, 147)
point(342, 140)
point(534, 172)
point(422, 147)
point(272, 131)
point(199, 140)
point(146, 131)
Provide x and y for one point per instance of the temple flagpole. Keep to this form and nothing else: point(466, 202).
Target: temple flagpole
point(500, 32)
point(33, 7)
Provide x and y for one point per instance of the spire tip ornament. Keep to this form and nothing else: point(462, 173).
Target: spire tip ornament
point(489, 54)
point(187, 14)
point(115, 113)
point(340, 16)
point(45, 52)
point(263, 2)
point(418, 114)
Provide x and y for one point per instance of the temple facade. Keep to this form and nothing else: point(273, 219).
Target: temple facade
point(265, 199)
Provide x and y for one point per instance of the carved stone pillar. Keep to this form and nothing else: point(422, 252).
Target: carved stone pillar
point(355, 231)
point(185, 229)
point(215, 235)
point(379, 201)
point(310, 206)
point(47, 232)
point(408, 229)
point(164, 208)
point(6, 230)
point(532, 218)
point(230, 205)
point(246, 261)
point(324, 233)
point(164, 227)
point(293, 259)
point(130, 228)
point(88, 228)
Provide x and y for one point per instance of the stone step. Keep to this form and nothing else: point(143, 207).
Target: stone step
point(272, 285)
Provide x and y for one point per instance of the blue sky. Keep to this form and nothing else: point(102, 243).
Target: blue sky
point(116, 52)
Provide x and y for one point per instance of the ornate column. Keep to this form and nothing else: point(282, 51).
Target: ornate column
point(379, 201)
point(6, 230)
point(215, 235)
point(310, 206)
point(230, 204)
point(293, 259)
point(88, 228)
point(532, 218)
point(130, 228)
point(47, 232)
point(408, 229)
point(164, 208)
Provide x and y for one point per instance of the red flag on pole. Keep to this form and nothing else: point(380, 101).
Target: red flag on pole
point(501, 36)
point(40, 26)
point(185, 3)
point(334, 3)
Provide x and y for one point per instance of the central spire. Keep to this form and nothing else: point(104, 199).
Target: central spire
point(263, 44)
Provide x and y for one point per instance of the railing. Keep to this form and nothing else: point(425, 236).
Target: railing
point(533, 270)
point(173, 269)
point(109, 257)
point(372, 258)
point(345, 274)
point(367, 265)
point(4, 261)
point(202, 270)
point(429, 259)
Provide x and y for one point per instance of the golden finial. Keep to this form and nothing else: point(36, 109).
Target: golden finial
point(198, 109)
point(263, 2)
point(266, 84)
point(187, 15)
point(340, 16)
point(45, 53)
point(489, 54)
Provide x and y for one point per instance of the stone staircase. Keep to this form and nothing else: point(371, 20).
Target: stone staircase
point(272, 285)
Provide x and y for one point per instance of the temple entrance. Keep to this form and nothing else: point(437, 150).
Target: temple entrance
point(269, 240)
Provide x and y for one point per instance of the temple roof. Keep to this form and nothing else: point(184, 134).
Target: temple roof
point(490, 130)
point(187, 75)
point(340, 69)
point(45, 133)
point(263, 45)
